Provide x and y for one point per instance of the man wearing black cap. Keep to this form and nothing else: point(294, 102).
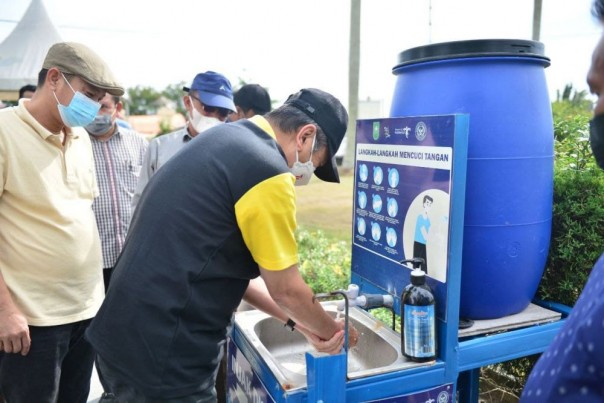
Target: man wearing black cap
point(208, 102)
point(218, 214)
point(51, 282)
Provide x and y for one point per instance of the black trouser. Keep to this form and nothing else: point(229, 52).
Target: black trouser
point(119, 390)
point(57, 368)
point(107, 277)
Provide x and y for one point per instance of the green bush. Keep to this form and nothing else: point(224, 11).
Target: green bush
point(324, 262)
point(577, 233)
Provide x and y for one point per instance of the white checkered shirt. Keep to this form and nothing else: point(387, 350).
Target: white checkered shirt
point(118, 163)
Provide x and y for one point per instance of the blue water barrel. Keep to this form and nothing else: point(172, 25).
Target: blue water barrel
point(501, 84)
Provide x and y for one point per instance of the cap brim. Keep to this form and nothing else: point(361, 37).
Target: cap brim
point(216, 100)
point(115, 91)
point(118, 92)
point(329, 171)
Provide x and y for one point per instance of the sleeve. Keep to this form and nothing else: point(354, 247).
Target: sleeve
point(266, 216)
point(2, 169)
point(147, 171)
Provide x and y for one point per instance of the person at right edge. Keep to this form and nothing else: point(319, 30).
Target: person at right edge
point(572, 367)
point(219, 213)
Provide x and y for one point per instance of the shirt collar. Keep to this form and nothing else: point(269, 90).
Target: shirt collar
point(186, 137)
point(262, 123)
point(43, 132)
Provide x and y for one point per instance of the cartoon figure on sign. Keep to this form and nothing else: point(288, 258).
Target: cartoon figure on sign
point(422, 230)
point(390, 237)
point(393, 177)
point(391, 206)
point(376, 232)
point(361, 226)
point(363, 172)
point(362, 199)
point(378, 175)
point(377, 203)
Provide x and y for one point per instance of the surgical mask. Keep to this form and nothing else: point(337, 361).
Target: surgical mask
point(100, 125)
point(81, 110)
point(596, 139)
point(201, 122)
point(303, 170)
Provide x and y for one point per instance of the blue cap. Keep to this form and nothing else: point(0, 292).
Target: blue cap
point(214, 90)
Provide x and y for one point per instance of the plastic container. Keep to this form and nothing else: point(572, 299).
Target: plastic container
point(501, 84)
point(418, 330)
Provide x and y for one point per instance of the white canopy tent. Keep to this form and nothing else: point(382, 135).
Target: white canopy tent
point(23, 50)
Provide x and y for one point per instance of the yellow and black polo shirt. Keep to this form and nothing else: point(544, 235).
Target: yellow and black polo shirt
point(220, 207)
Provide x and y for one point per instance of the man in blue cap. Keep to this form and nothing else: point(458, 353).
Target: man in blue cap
point(208, 102)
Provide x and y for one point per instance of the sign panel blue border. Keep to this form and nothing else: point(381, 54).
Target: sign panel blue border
point(406, 170)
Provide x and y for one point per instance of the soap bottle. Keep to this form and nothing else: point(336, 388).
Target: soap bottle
point(418, 330)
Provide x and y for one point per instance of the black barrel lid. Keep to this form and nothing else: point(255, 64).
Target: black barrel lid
point(472, 48)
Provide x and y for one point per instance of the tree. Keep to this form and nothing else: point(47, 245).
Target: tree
point(143, 100)
point(174, 92)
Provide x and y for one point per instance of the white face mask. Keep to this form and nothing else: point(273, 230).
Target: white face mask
point(199, 121)
point(303, 170)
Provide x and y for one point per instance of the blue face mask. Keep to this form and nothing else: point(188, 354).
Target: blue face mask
point(81, 111)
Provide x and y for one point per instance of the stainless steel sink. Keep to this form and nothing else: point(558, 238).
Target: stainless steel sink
point(378, 349)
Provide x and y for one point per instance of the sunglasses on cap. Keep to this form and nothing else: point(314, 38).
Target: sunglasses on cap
point(222, 112)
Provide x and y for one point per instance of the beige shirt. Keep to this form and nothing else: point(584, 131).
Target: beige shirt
point(50, 252)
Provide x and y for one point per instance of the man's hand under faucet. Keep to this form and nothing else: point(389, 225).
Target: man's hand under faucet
point(290, 297)
point(335, 344)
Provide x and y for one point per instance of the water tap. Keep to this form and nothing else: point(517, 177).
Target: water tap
point(365, 301)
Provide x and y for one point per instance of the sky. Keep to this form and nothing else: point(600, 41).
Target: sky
point(286, 45)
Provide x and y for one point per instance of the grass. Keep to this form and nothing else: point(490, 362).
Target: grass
point(327, 206)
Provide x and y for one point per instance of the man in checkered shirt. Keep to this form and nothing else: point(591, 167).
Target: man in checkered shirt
point(118, 156)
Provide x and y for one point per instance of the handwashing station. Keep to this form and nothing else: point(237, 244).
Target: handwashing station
point(459, 176)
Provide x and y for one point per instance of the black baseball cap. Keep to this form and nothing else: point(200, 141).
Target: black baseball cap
point(331, 116)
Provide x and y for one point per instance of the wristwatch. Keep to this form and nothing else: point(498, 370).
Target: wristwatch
point(291, 324)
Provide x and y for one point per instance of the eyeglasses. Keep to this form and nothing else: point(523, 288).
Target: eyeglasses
point(222, 112)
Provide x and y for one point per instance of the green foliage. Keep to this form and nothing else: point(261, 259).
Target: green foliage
point(164, 127)
point(324, 262)
point(143, 100)
point(570, 103)
point(572, 148)
point(577, 232)
point(174, 93)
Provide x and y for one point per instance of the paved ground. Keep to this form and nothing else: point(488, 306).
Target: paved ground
point(96, 390)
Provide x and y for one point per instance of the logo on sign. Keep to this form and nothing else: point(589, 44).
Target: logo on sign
point(420, 131)
point(376, 130)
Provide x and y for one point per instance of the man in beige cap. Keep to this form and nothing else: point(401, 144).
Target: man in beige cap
point(51, 282)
